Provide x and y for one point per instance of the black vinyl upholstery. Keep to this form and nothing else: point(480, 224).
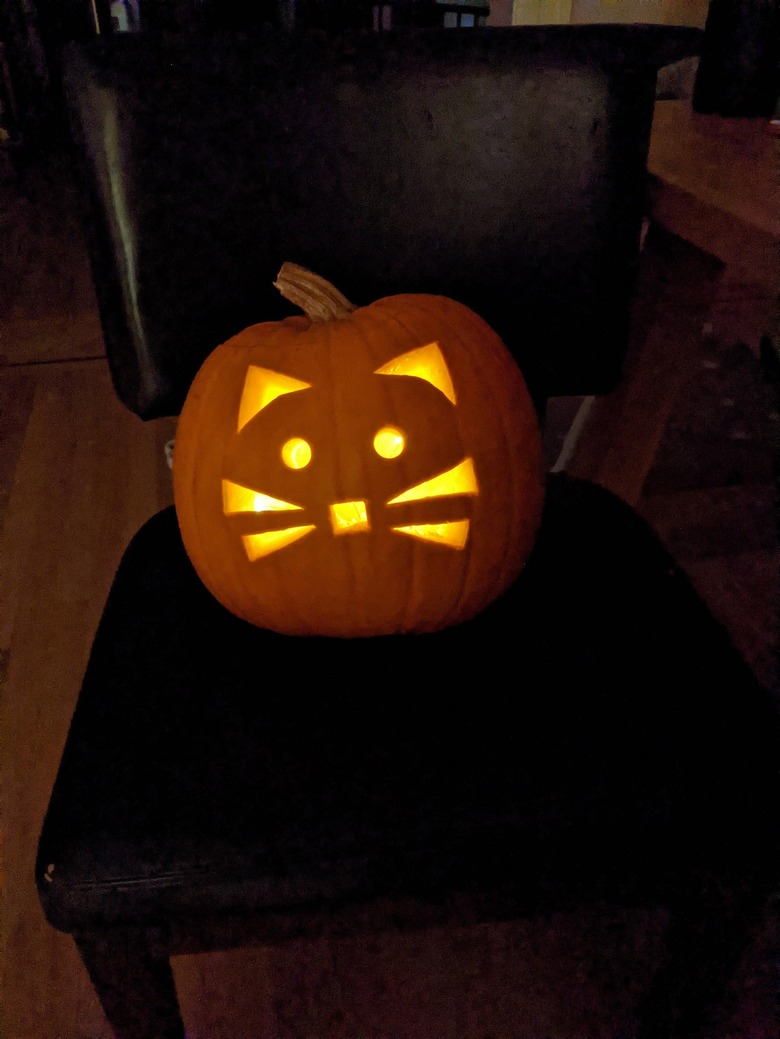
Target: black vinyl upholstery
point(332, 768)
point(486, 165)
point(593, 733)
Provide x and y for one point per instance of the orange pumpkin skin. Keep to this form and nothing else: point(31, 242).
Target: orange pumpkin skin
point(392, 570)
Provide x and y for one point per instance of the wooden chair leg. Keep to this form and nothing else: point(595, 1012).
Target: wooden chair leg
point(135, 986)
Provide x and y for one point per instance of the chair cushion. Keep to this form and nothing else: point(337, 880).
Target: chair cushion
point(593, 726)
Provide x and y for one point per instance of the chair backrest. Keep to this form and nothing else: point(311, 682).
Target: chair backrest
point(503, 167)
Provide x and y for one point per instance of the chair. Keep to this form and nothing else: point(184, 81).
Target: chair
point(593, 733)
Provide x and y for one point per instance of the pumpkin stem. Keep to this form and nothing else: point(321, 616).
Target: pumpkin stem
point(316, 297)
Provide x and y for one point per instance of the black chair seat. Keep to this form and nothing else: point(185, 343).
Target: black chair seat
point(184, 783)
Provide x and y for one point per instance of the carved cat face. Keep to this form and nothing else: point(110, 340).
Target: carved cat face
point(289, 446)
point(372, 475)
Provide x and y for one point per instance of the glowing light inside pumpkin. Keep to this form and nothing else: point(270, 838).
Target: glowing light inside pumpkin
point(258, 545)
point(348, 517)
point(261, 387)
point(453, 535)
point(296, 453)
point(236, 498)
point(389, 442)
point(461, 479)
point(426, 362)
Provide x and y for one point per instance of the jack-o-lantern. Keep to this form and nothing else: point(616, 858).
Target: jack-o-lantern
point(358, 471)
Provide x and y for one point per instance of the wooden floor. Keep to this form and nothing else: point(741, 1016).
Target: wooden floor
point(687, 438)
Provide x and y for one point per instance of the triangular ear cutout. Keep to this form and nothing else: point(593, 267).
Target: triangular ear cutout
point(261, 386)
point(425, 362)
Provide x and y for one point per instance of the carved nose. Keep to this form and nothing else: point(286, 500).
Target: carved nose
point(348, 517)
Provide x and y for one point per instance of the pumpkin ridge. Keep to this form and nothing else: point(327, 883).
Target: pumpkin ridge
point(529, 469)
point(523, 478)
point(401, 617)
point(335, 347)
point(467, 575)
point(415, 595)
point(497, 405)
point(421, 304)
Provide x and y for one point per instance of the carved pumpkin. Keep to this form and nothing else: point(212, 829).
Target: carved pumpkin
point(358, 471)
